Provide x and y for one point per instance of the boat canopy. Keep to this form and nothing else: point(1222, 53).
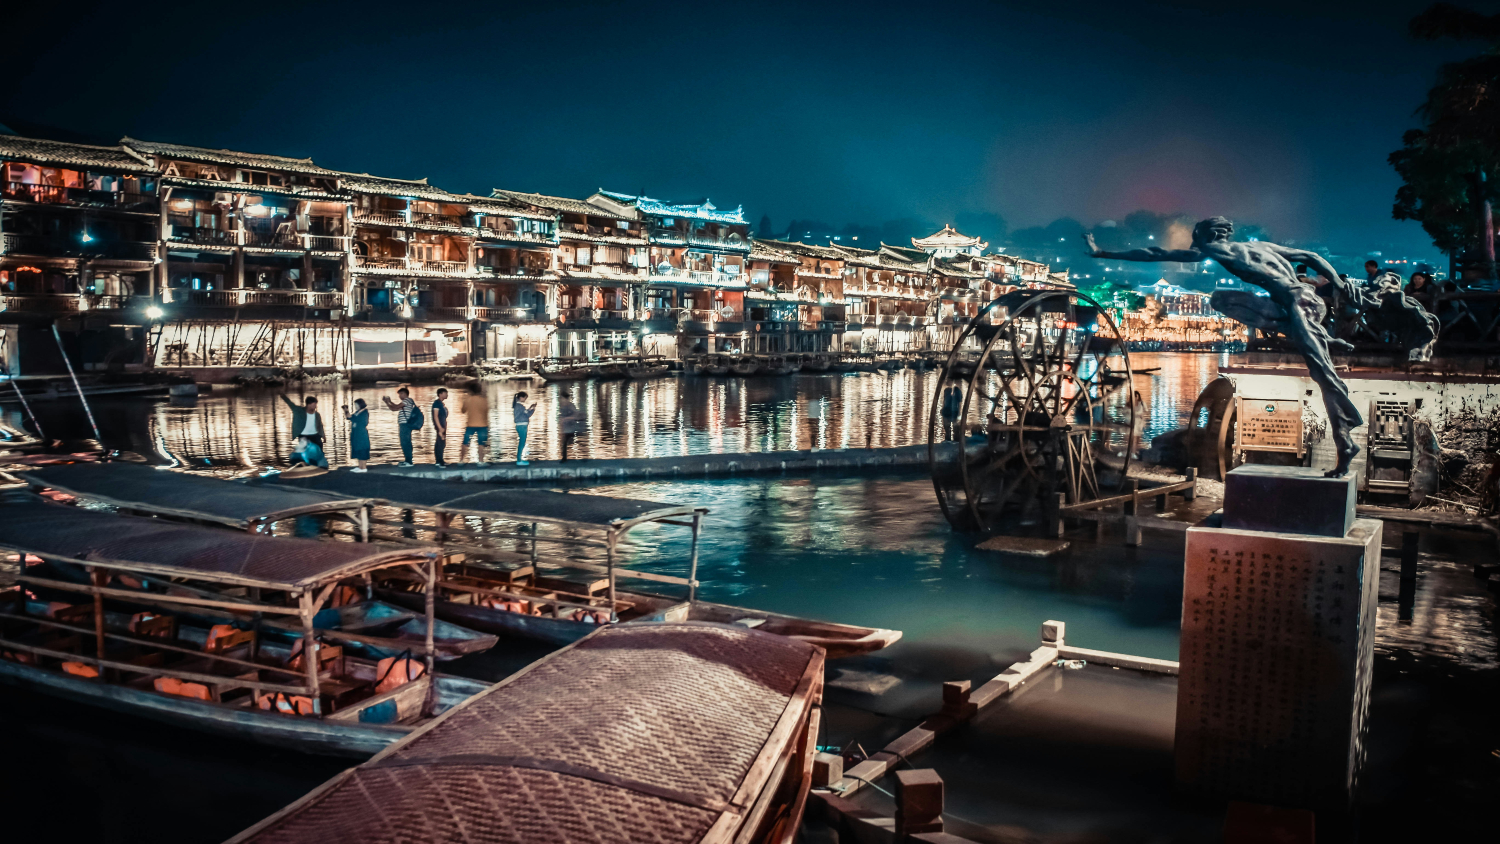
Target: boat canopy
point(526, 505)
point(74, 534)
point(150, 489)
point(662, 732)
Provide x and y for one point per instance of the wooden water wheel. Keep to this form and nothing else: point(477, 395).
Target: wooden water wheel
point(1044, 404)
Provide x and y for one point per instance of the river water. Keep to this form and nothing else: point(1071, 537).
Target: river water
point(251, 427)
point(869, 550)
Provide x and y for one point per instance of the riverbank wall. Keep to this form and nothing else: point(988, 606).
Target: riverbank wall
point(687, 465)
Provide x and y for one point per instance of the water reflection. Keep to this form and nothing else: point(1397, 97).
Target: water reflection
point(668, 416)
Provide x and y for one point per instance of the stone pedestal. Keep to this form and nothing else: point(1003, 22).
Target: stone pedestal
point(1277, 648)
point(1288, 499)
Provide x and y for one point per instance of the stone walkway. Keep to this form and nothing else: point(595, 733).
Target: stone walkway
point(691, 465)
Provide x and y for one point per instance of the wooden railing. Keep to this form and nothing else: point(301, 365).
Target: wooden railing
point(61, 302)
point(57, 195)
point(319, 300)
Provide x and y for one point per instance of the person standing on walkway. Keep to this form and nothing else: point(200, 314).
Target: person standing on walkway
point(440, 426)
point(307, 426)
point(522, 415)
point(570, 420)
point(407, 420)
point(953, 404)
point(359, 434)
point(476, 411)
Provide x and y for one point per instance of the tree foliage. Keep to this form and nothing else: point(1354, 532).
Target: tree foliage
point(1452, 166)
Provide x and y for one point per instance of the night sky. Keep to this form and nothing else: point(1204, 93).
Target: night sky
point(1275, 113)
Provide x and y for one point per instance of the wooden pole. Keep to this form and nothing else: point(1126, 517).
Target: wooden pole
point(310, 649)
point(609, 553)
point(99, 577)
point(27, 407)
point(693, 559)
point(71, 374)
point(431, 608)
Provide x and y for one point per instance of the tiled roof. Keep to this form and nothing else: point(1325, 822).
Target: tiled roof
point(565, 234)
point(797, 248)
point(501, 206)
point(901, 253)
point(59, 154)
point(946, 236)
point(761, 250)
point(555, 203)
point(225, 156)
point(301, 191)
point(407, 188)
point(704, 210)
point(956, 269)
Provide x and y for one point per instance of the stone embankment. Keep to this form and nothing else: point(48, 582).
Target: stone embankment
point(684, 466)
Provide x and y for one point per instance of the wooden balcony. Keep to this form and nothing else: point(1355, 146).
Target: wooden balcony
point(251, 298)
point(56, 195)
point(61, 303)
point(75, 247)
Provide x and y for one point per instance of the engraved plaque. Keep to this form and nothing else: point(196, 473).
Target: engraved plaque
point(1277, 649)
point(1269, 425)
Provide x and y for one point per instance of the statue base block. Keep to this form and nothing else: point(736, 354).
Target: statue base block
point(1278, 644)
point(1288, 499)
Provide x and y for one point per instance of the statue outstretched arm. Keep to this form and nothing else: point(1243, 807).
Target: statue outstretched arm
point(1181, 256)
point(1316, 262)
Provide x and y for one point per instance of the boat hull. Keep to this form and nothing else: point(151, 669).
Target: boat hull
point(839, 640)
point(569, 374)
point(307, 735)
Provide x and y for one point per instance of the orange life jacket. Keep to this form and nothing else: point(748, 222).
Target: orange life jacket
point(295, 660)
point(217, 632)
point(79, 669)
point(285, 704)
point(346, 595)
point(181, 688)
point(392, 676)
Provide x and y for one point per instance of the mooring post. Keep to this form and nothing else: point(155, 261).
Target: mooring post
point(1191, 492)
point(1407, 598)
point(919, 802)
point(1057, 515)
point(1135, 497)
point(1132, 531)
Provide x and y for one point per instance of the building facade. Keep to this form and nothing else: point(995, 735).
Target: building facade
point(215, 262)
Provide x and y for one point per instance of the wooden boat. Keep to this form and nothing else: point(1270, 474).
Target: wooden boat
point(584, 522)
point(888, 363)
point(863, 363)
point(372, 629)
point(841, 364)
point(517, 602)
point(613, 370)
point(566, 371)
point(816, 363)
point(794, 363)
point(744, 365)
point(773, 365)
point(684, 733)
point(643, 369)
point(711, 365)
point(228, 679)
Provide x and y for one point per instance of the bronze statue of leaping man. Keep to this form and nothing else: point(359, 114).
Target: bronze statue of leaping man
point(1294, 309)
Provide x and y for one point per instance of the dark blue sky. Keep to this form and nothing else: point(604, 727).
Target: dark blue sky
point(1279, 113)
